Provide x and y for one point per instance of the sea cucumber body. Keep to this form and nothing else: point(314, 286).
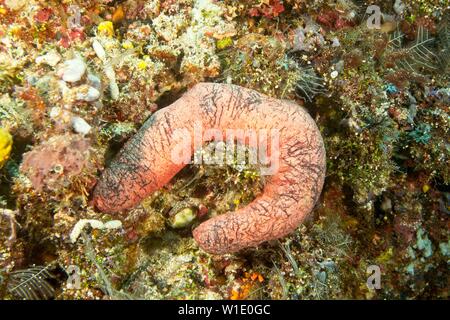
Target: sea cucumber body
point(144, 164)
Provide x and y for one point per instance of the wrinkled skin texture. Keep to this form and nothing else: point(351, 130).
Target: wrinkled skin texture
point(144, 164)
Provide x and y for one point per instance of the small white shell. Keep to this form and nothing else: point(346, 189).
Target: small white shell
point(80, 126)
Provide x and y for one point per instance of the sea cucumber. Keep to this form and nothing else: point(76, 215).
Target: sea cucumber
point(144, 164)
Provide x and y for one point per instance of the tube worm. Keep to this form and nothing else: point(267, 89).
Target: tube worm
point(146, 164)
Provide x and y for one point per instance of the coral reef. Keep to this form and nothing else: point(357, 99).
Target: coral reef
point(79, 78)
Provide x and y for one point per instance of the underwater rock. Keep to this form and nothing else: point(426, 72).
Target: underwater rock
point(144, 165)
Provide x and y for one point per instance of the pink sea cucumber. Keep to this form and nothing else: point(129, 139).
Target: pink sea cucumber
point(144, 164)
